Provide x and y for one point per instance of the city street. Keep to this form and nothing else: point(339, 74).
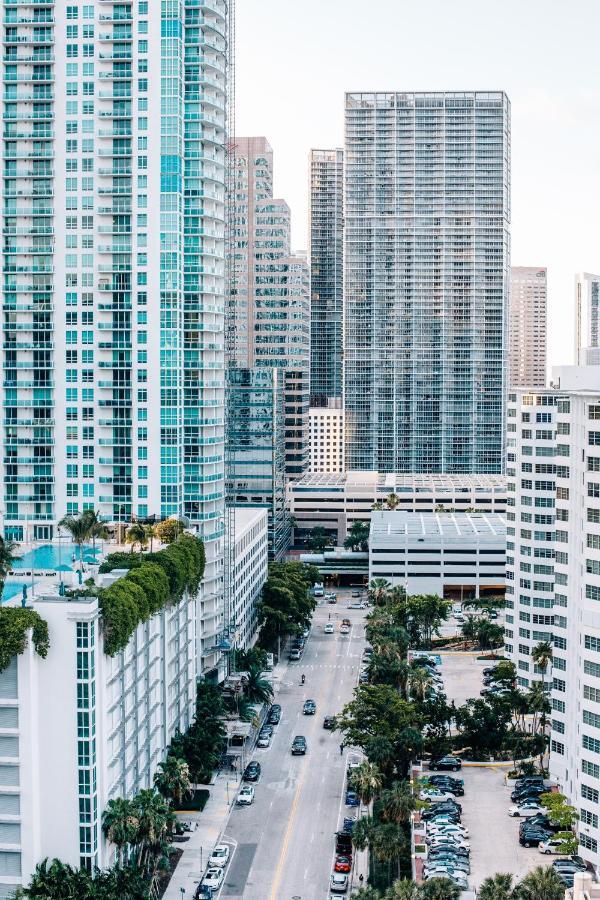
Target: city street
point(283, 843)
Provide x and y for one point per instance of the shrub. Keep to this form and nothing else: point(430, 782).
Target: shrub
point(15, 622)
point(152, 579)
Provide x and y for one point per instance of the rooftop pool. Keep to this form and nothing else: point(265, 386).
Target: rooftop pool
point(51, 556)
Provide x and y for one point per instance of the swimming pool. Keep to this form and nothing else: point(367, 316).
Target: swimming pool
point(11, 589)
point(50, 556)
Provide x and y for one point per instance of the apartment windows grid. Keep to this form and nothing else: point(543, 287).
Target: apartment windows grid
point(527, 327)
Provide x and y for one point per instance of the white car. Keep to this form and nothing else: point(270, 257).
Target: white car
point(219, 856)
point(438, 839)
point(527, 808)
point(554, 845)
point(443, 872)
point(245, 796)
point(264, 741)
point(433, 795)
point(213, 878)
point(329, 629)
point(448, 829)
point(338, 883)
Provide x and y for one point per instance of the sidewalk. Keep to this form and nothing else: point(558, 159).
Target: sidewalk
point(211, 824)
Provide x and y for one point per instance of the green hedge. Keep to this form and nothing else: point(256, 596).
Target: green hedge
point(15, 622)
point(154, 580)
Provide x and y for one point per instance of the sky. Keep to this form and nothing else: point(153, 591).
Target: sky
point(294, 61)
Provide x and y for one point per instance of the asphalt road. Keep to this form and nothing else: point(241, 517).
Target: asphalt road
point(283, 843)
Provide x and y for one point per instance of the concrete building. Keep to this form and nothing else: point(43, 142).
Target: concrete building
point(250, 563)
point(114, 269)
point(80, 728)
point(458, 556)
point(587, 319)
point(326, 438)
point(326, 224)
point(335, 501)
point(256, 449)
point(426, 270)
point(527, 327)
point(530, 526)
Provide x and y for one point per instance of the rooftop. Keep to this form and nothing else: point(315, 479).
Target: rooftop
point(399, 483)
point(438, 527)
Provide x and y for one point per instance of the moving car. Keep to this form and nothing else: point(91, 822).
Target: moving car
point(552, 845)
point(338, 883)
point(252, 771)
point(526, 808)
point(309, 708)
point(329, 722)
point(274, 714)
point(352, 798)
point(299, 746)
point(344, 629)
point(329, 629)
point(220, 856)
point(245, 796)
point(342, 864)
point(356, 593)
point(213, 878)
point(446, 763)
point(331, 598)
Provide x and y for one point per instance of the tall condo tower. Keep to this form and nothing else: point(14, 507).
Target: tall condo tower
point(326, 220)
point(113, 292)
point(587, 319)
point(426, 248)
point(527, 327)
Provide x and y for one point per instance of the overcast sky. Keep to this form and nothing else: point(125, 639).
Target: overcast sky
point(295, 60)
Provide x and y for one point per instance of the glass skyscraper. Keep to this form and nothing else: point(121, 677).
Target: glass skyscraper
point(426, 247)
point(113, 286)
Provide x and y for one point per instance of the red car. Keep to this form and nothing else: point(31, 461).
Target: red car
point(342, 864)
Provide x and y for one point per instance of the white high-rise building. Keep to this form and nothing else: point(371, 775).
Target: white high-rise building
point(113, 294)
point(326, 438)
point(587, 319)
point(426, 270)
point(527, 327)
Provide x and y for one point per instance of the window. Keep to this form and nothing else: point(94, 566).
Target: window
point(589, 768)
point(589, 793)
point(588, 842)
point(590, 743)
point(591, 693)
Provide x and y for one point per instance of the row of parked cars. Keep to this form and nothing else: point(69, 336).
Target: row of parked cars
point(342, 863)
point(536, 829)
point(447, 839)
point(492, 687)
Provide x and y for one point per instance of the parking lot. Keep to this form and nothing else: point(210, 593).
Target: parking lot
point(493, 834)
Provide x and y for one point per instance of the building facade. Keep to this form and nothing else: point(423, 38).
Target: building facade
point(336, 501)
point(63, 761)
point(250, 563)
point(256, 449)
point(426, 269)
point(587, 319)
point(527, 327)
point(326, 224)
point(326, 438)
point(458, 556)
point(114, 269)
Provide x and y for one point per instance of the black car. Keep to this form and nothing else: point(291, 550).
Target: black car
point(445, 779)
point(299, 746)
point(539, 821)
point(266, 731)
point(532, 837)
point(434, 812)
point(526, 782)
point(309, 708)
point(329, 722)
point(526, 793)
point(252, 771)
point(451, 848)
point(575, 862)
point(274, 714)
point(448, 786)
point(446, 763)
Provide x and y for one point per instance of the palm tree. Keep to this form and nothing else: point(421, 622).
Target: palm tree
point(403, 890)
point(367, 893)
point(155, 825)
point(541, 883)
point(7, 558)
point(419, 684)
point(257, 688)
point(79, 529)
point(173, 779)
point(380, 750)
point(542, 657)
point(377, 505)
point(126, 883)
point(440, 889)
point(378, 591)
point(120, 824)
point(497, 887)
point(398, 802)
point(150, 535)
point(56, 880)
point(388, 844)
point(97, 528)
point(366, 780)
point(136, 534)
point(392, 500)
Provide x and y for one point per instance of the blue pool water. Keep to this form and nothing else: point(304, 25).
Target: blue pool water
point(48, 557)
point(11, 588)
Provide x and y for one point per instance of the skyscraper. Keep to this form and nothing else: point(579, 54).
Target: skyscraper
point(427, 212)
point(527, 327)
point(326, 221)
point(113, 268)
point(587, 315)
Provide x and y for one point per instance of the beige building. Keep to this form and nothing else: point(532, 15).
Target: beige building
point(326, 438)
point(527, 327)
point(587, 313)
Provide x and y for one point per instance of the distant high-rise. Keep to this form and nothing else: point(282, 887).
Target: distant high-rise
point(527, 327)
point(587, 315)
point(326, 223)
point(426, 248)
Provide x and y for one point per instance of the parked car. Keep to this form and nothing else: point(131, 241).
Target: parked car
point(356, 593)
point(299, 746)
point(526, 793)
point(447, 870)
point(568, 862)
point(264, 740)
point(444, 857)
point(274, 714)
point(446, 763)
point(252, 771)
point(552, 845)
point(220, 856)
point(352, 798)
point(329, 629)
point(309, 708)
point(343, 843)
point(329, 722)
point(447, 828)
point(449, 848)
point(342, 864)
point(338, 883)
point(294, 655)
point(213, 878)
point(245, 796)
point(526, 808)
point(533, 837)
point(447, 807)
point(432, 794)
point(447, 784)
